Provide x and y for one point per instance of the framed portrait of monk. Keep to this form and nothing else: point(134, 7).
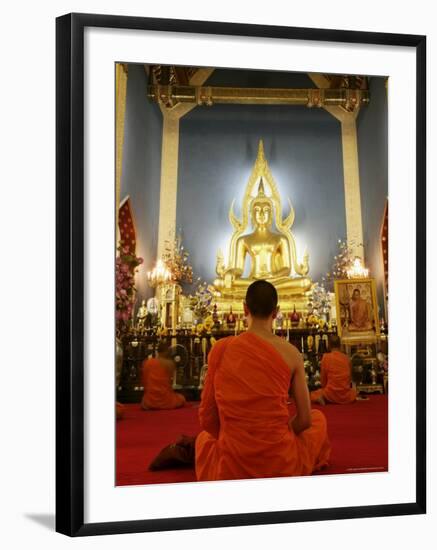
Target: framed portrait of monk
point(357, 309)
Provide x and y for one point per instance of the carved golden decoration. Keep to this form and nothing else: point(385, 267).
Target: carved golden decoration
point(170, 95)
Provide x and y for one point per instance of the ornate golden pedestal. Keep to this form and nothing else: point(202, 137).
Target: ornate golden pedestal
point(287, 303)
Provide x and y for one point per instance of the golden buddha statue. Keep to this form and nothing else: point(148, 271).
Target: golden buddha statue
point(272, 253)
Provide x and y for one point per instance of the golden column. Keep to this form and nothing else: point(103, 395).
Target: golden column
point(351, 172)
point(169, 164)
point(169, 178)
point(352, 195)
point(121, 72)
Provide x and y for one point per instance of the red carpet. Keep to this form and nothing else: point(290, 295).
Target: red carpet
point(358, 434)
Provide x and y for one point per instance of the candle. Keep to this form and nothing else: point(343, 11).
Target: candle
point(204, 343)
point(301, 341)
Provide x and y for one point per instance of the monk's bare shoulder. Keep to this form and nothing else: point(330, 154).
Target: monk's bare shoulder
point(286, 346)
point(289, 352)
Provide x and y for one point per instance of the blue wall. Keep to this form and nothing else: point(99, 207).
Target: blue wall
point(141, 171)
point(217, 149)
point(373, 159)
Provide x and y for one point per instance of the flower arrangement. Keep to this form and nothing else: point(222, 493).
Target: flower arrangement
point(313, 320)
point(319, 305)
point(382, 362)
point(208, 323)
point(175, 258)
point(343, 261)
point(200, 302)
point(125, 269)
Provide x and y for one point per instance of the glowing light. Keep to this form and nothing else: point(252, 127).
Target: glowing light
point(357, 270)
point(159, 275)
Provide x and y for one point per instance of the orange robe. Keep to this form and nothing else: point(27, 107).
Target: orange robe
point(335, 375)
point(245, 418)
point(158, 391)
point(360, 320)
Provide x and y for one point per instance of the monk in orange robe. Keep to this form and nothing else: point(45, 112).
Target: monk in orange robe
point(335, 377)
point(157, 381)
point(247, 428)
point(359, 313)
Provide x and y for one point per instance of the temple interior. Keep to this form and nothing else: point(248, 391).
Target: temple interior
point(225, 177)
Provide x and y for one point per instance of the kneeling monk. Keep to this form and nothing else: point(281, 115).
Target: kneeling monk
point(157, 381)
point(247, 429)
point(335, 377)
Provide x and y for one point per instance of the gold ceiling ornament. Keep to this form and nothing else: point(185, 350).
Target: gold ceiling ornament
point(172, 74)
point(259, 178)
point(170, 95)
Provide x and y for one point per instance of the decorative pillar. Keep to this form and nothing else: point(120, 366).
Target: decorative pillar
point(351, 172)
point(170, 162)
point(352, 196)
point(121, 72)
point(169, 180)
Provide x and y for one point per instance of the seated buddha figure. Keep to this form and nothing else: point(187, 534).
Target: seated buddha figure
point(269, 253)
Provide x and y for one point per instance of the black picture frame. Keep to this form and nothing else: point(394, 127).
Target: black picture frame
point(70, 273)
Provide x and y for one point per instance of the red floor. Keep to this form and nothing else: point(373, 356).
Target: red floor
point(358, 434)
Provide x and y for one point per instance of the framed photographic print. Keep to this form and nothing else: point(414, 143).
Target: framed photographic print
point(357, 308)
point(222, 228)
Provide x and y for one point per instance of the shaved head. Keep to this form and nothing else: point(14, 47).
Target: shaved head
point(261, 299)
